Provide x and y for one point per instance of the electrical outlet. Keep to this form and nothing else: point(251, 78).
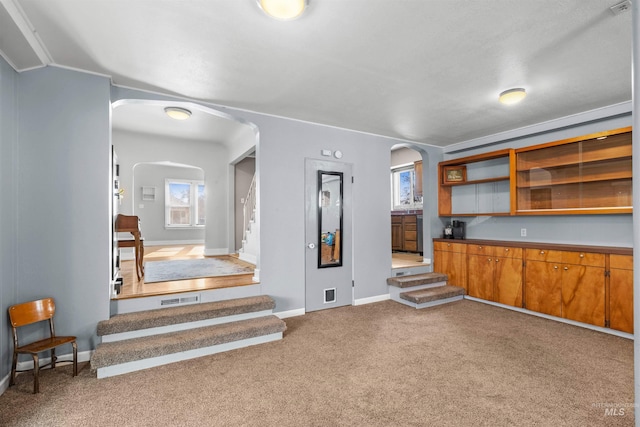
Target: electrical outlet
point(523, 232)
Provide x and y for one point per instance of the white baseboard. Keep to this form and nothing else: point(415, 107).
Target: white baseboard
point(291, 313)
point(83, 356)
point(250, 258)
point(172, 242)
point(4, 384)
point(557, 319)
point(256, 274)
point(216, 251)
point(370, 300)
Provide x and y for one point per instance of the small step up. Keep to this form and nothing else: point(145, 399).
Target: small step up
point(162, 320)
point(417, 280)
point(115, 358)
point(423, 298)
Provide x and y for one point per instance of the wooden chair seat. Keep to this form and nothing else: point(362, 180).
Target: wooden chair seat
point(33, 312)
point(44, 345)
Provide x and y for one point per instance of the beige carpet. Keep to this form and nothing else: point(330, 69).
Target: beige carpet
point(383, 364)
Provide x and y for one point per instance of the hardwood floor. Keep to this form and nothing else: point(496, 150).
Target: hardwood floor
point(134, 288)
point(406, 259)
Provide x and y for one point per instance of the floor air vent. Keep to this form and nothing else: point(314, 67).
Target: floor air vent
point(175, 301)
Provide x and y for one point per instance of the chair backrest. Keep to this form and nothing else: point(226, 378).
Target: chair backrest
point(31, 312)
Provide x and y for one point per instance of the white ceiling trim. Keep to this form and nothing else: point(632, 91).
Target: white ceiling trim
point(623, 108)
point(28, 31)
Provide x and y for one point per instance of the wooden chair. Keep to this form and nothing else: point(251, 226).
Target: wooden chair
point(34, 312)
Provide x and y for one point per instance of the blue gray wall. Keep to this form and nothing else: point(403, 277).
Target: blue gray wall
point(8, 208)
point(600, 230)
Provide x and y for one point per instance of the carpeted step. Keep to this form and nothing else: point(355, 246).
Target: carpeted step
point(122, 323)
point(417, 280)
point(424, 296)
point(150, 351)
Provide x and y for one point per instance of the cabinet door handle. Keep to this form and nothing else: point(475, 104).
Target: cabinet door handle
point(448, 245)
point(506, 250)
point(581, 255)
point(541, 252)
point(489, 259)
point(497, 260)
point(479, 247)
point(555, 266)
point(566, 268)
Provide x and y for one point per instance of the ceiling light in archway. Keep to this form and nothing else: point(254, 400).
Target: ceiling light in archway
point(177, 113)
point(283, 10)
point(512, 96)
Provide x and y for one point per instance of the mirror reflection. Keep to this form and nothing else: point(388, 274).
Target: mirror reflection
point(330, 219)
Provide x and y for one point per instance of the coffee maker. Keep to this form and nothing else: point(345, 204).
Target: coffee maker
point(455, 230)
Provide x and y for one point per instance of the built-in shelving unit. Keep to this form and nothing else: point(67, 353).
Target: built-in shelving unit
point(485, 189)
point(591, 174)
point(585, 175)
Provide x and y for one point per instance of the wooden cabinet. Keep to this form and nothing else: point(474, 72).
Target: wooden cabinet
point(451, 259)
point(482, 186)
point(496, 274)
point(566, 284)
point(396, 233)
point(590, 174)
point(404, 232)
point(621, 293)
point(417, 167)
point(586, 284)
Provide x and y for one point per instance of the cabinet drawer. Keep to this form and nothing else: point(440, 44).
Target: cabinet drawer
point(410, 227)
point(409, 219)
point(396, 219)
point(410, 235)
point(450, 247)
point(410, 246)
point(508, 252)
point(543, 255)
point(481, 250)
point(623, 262)
point(583, 258)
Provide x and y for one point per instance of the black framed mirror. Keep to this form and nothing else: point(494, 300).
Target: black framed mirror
point(330, 186)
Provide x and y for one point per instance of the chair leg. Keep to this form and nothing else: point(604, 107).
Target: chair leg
point(36, 374)
point(75, 359)
point(14, 364)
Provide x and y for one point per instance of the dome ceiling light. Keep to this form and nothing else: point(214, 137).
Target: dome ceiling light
point(284, 10)
point(512, 96)
point(177, 113)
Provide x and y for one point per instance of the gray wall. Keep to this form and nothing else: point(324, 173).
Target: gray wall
point(152, 215)
point(602, 230)
point(63, 206)
point(8, 207)
point(404, 155)
point(134, 148)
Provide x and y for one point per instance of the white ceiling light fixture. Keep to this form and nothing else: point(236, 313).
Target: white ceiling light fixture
point(177, 113)
point(512, 96)
point(284, 10)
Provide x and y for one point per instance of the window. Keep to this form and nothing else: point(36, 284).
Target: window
point(184, 203)
point(402, 180)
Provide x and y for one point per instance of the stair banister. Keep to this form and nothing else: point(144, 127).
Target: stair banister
point(249, 207)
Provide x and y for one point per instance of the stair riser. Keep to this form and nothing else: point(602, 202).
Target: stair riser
point(138, 365)
point(430, 303)
point(394, 291)
point(183, 326)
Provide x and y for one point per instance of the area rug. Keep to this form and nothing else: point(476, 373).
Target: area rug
point(181, 269)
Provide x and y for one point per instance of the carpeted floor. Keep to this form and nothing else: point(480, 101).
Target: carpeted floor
point(180, 269)
point(383, 364)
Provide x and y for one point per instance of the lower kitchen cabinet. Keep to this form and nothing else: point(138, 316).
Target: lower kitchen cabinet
point(621, 293)
point(584, 286)
point(451, 259)
point(496, 274)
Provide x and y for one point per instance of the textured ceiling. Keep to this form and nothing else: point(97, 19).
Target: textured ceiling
point(423, 70)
